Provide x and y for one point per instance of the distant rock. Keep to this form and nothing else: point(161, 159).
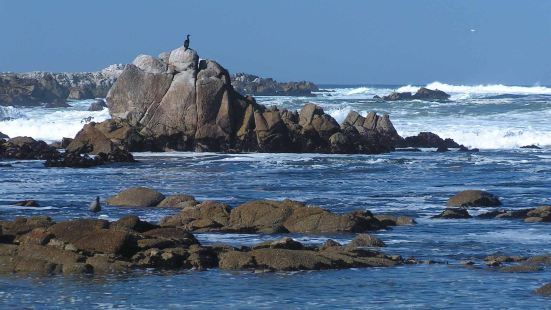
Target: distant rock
point(27, 203)
point(57, 104)
point(3, 136)
point(531, 146)
point(248, 84)
point(474, 198)
point(35, 88)
point(365, 240)
point(428, 140)
point(422, 94)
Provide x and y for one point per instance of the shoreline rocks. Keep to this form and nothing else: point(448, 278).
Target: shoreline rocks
point(531, 215)
point(37, 245)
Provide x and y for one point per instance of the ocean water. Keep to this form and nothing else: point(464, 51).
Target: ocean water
point(497, 119)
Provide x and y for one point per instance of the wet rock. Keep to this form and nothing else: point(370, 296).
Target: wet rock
point(132, 222)
point(182, 237)
point(505, 258)
point(72, 231)
point(334, 257)
point(432, 95)
point(207, 216)
point(365, 240)
point(393, 220)
point(21, 225)
point(37, 236)
point(540, 214)
point(453, 213)
point(540, 259)
point(27, 203)
point(27, 148)
point(136, 197)
point(284, 243)
point(520, 269)
point(428, 140)
point(265, 215)
point(178, 201)
point(544, 290)
point(474, 198)
point(108, 241)
point(531, 146)
point(97, 105)
point(396, 96)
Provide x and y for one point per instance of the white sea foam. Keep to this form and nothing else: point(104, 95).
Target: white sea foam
point(49, 124)
point(10, 113)
point(486, 89)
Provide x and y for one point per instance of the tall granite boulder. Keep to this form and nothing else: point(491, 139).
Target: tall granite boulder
point(179, 102)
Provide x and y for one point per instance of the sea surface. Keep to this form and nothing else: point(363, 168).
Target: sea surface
point(496, 119)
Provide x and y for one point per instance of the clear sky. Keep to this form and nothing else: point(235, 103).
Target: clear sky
point(343, 42)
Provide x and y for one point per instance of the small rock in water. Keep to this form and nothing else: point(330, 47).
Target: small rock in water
point(27, 203)
point(531, 146)
point(95, 206)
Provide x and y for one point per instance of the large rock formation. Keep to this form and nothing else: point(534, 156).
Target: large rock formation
point(253, 85)
point(180, 102)
point(35, 88)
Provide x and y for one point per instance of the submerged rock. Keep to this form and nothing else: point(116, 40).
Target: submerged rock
point(428, 140)
point(544, 290)
point(474, 198)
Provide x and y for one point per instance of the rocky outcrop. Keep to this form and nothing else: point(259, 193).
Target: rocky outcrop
point(3, 136)
point(248, 84)
point(422, 94)
point(268, 216)
point(83, 246)
point(289, 255)
point(532, 215)
point(178, 102)
point(26, 148)
point(474, 198)
point(36, 88)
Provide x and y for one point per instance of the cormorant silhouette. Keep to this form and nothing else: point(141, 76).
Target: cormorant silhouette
point(186, 42)
point(95, 206)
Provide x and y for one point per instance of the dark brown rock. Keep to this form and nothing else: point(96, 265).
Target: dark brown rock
point(474, 198)
point(365, 240)
point(453, 213)
point(544, 290)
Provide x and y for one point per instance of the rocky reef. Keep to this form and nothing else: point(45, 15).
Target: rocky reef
point(178, 102)
point(248, 84)
point(53, 89)
point(422, 94)
point(38, 245)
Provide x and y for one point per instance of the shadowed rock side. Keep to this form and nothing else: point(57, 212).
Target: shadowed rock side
point(37, 245)
point(35, 88)
point(253, 85)
point(178, 102)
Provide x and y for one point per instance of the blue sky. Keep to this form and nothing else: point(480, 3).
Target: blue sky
point(343, 42)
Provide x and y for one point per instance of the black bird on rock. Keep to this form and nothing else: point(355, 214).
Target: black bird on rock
point(186, 42)
point(95, 206)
